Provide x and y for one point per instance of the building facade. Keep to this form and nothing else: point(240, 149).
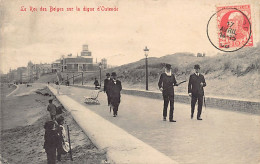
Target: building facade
point(45, 68)
point(55, 66)
point(81, 63)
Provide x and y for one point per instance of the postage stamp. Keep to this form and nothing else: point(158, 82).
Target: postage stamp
point(234, 27)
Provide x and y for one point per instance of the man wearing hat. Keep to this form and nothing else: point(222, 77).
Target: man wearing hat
point(52, 109)
point(196, 91)
point(166, 82)
point(114, 90)
point(107, 83)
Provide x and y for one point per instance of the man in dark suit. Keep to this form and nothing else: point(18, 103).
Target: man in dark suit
point(107, 83)
point(166, 82)
point(115, 89)
point(196, 91)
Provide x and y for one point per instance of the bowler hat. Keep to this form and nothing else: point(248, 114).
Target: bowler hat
point(108, 74)
point(49, 125)
point(196, 66)
point(113, 74)
point(168, 66)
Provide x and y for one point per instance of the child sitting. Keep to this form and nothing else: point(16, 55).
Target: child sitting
point(62, 137)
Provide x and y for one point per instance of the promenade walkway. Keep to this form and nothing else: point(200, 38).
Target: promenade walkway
point(222, 136)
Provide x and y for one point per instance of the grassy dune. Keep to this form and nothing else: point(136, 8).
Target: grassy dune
point(233, 74)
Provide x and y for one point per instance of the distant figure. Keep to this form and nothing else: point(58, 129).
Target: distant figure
point(196, 91)
point(67, 83)
point(59, 110)
point(166, 82)
point(107, 83)
point(96, 83)
point(51, 140)
point(115, 89)
point(48, 82)
point(52, 109)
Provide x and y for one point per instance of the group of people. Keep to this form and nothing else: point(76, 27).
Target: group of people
point(196, 84)
point(55, 134)
point(113, 87)
point(167, 81)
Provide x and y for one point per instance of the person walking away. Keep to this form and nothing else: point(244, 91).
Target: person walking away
point(52, 109)
point(96, 83)
point(196, 91)
point(107, 83)
point(115, 89)
point(51, 140)
point(166, 84)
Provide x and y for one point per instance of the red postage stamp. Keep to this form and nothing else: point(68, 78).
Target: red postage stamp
point(234, 26)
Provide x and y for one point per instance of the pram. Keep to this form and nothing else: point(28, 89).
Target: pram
point(93, 100)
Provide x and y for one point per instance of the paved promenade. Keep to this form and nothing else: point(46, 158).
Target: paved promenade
point(222, 136)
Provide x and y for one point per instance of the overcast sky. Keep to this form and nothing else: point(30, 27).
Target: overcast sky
point(165, 26)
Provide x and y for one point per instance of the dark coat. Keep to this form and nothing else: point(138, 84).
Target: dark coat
point(167, 83)
point(107, 83)
point(51, 139)
point(115, 89)
point(194, 86)
point(96, 83)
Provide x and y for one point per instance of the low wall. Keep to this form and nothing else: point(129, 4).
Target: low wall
point(220, 103)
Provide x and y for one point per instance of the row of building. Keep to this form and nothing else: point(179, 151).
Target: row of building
point(67, 64)
point(82, 63)
point(28, 74)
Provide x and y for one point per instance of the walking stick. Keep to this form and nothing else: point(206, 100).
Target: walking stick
point(69, 143)
point(204, 99)
point(181, 82)
point(205, 102)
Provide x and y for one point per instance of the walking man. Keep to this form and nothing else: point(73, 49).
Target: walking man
point(52, 109)
point(107, 83)
point(196, 91)
point(115, 89)
point(166, 82)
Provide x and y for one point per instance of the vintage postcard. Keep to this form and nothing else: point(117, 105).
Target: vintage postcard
point(130, 81)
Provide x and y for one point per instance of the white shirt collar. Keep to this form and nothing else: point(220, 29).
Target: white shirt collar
point(168, 73)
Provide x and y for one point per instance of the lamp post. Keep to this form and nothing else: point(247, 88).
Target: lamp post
point(67, 79)
point(100, 66)
point(82, 78)
point(146, 50)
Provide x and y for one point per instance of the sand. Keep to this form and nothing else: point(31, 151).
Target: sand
point(23, 115)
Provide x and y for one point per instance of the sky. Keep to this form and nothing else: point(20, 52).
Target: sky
point(164, 26)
